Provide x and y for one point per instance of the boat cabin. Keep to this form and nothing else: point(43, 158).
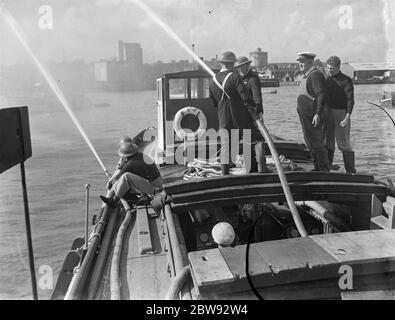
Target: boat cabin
point(187, 119)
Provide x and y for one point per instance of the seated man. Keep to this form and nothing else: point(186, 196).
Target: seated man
point(133, 175)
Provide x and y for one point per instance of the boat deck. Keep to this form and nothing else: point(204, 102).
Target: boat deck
point(300, 268)
point(143, 269)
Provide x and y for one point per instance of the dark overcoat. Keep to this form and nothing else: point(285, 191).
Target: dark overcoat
point(232, 110)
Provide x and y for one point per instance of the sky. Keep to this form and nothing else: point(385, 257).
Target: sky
point(355, 30)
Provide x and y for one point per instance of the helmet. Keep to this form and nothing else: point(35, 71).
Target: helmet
point(228, 56)
point(241, 61)
point(127, 149)
point(124, 139)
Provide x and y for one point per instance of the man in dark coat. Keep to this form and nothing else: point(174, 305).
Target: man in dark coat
point(253, 84)
point(229, 94)
point(311, 109)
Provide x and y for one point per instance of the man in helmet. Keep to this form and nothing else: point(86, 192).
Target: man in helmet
point(121, 141)
point(236, 108)
point(311, 108)
point(253, 84)
point(135, 175)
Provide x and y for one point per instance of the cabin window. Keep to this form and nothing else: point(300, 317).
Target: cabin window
point(199, 88)
point(159, 88)
point(178, 88)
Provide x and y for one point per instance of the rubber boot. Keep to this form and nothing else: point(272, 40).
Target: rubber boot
point(331, 155)
point(111, 202)
point(349, 161)
point(225, 169)
point(261, 158)
point(315, 161)
point(251, 163)
point(322, 159)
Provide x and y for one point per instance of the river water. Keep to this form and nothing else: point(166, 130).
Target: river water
point(62, 164)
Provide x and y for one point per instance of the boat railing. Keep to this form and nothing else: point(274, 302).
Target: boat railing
point(80, 277)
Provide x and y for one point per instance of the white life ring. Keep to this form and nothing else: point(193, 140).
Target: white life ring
point(187, 133)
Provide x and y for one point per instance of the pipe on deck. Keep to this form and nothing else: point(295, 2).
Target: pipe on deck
point(283, 180)
point(177, 283)
point(115, 282)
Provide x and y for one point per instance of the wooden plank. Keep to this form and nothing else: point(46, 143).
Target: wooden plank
point(368, 295)
point(143, 231)
point(380, 222)
point(307, 290)
point(301, 176)
point(376, 207)
point(390, 210)
point(147, 277)
point(274, 263)
point(299, 260)
point(298, 253)
point(209, 267)
point(278, 262)
point(358, 246)
point(235, 258)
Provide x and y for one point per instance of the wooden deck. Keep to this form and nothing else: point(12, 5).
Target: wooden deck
point(144, 263)
point(301, 268)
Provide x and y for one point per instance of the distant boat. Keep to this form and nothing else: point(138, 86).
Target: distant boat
point(102, 105)
point(269, 83)
point(388, 98)
point(269, 92)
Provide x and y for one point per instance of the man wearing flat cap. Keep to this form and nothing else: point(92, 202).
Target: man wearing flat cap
point(228, 93)
point(311, 108)
point(253, 84)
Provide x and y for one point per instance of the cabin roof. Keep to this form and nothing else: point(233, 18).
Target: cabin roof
point(187, 74)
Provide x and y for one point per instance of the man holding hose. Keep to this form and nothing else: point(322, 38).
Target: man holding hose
point(236, 108)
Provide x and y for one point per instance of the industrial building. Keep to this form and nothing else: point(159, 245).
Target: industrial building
point(123, 73)
point(259, 59)
point(283, 71)
point(377, 72)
